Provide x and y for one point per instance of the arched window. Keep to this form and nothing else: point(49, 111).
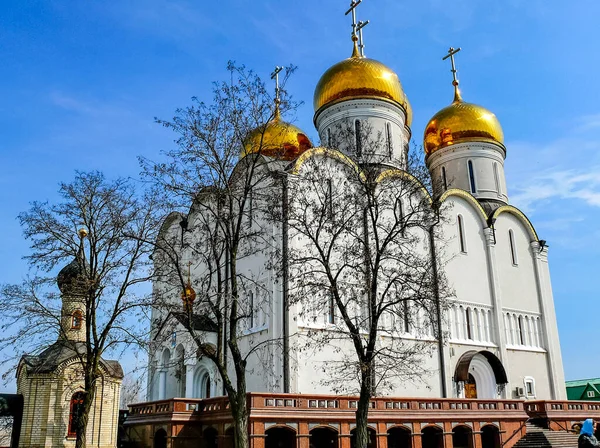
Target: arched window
point(331, 308)
point(251, 311)
point(250, 200)
point(358, 136)
point(388, 135)
point(521, 330)
point(399, 216)
point(406, 316)
point(496, 179)
point(329, 198)
point(444, 180)
point(76, 320)
point(461, 234)
point(469, 323)
point(329, 142)
point(75, 412)
point(471, 177)
point(513, 248)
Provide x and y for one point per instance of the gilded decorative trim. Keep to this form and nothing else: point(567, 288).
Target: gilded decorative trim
point(467, 197)
point(395, 172)
point(321, 150)
point(519, 214)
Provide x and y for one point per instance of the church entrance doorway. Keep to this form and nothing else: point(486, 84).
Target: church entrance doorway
point(160, 439)
point(462, 437)
point(471, 388)
point(480, 375)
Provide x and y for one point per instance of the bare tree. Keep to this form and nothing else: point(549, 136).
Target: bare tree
point(100, 227)
point(363, 267)
point(218, 243)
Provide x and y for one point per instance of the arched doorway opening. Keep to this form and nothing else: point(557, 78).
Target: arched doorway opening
point(280, 437)
point(490, 437)
point(372, 443)
point(399, 437)
point(210, 438)
point(323, 437)
point(228, 441)
point(160, 439)
point(480, 374)
point(202, 384)
point(432, 437)
point(462, 437)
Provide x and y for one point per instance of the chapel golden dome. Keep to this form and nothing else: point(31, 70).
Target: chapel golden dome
point(461, 122)
point(278, 139)
point(360, 77)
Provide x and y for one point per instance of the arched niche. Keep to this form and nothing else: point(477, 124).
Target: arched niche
point(399, 437)
point(324, 437)
point(280, 437)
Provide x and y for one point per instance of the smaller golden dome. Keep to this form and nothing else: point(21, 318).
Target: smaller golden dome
point(277, 139)
point(360, 77)
point(188, 294)
point(461, 122)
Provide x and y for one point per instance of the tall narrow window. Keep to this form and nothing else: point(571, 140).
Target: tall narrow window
point(331, 308)
point(390, 144)
point(251, 304)
point(358, 136)
point(496, 179)
point(329, 199)
point(75, 412)
point(250, 200)
point(399, 216)
point(468, 322)
point(444, 180)
point(461, 234)
point(329, 142)
point(521, 334)
point(406, 316)
point(513, 248)
point(471, 177)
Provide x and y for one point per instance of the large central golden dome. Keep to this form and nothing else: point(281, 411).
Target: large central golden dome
point(461, 122)
point(360, 77)
point(278, 139)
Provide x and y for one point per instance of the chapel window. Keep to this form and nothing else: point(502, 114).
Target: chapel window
point(468, 323)
point(388, 134)
point(399, 216)
point(521, 330)
point(513, 248)
point(251, 304)
point(329, 198)
point(358, 137)
point(76, 320)
point(471, 177)
point(406, 315)
point(444, 180)
point(250, 199)
point(461, 234)
point(329, 139)
point(331, 308)
point(75, 412)
point(496, 179)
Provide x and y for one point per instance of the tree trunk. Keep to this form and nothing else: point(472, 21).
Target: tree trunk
point(82, 421)
point(241, 426)
point(362, 409)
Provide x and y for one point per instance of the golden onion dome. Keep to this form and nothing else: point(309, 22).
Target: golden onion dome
point(278, 139)
point(461, 122)
point(360, 77)
point(188, 294)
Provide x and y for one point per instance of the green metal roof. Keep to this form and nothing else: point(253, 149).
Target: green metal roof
point(576, 383)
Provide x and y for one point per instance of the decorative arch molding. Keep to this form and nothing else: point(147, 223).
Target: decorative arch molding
point(439, 426)
point(204, 371)
point(462, 367)
point(392, 173)
point(286, 426)
point(333, 426)
point(322, 151)
point(469, 198)
point(168, 223)
point(493, 424)
point(402, 426)
point(517, 214)
point(369, 425)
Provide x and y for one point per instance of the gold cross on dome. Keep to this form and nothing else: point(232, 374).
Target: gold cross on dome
point(359, 26)
point(275, 76)
point(451, 52)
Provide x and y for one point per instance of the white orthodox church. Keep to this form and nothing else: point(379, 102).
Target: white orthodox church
point(500, 337)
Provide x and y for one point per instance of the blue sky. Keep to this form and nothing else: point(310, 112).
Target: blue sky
point(81, 83)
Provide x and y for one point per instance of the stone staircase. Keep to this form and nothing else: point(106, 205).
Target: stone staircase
point(538, 437)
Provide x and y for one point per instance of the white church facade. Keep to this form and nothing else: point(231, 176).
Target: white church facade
point(500, 338)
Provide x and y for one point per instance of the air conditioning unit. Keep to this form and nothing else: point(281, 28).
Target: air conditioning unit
point(520, 391)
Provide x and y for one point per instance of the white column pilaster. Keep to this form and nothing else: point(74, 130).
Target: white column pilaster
point(549, 329)
point(190, 366)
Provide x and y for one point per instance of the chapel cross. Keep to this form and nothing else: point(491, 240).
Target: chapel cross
point(451, 52)
point(275, 76)
point(359, 26)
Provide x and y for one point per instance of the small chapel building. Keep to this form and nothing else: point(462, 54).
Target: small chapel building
point(52, 383)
